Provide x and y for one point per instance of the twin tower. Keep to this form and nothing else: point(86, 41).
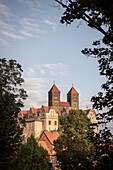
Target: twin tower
point(72, 98)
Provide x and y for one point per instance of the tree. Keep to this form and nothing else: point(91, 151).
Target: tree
point(97, 14)
point(11, 100)
point(32, 157)
point(75, 147)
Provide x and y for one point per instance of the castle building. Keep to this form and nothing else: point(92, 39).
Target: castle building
point(47, 117)
point(54, 99)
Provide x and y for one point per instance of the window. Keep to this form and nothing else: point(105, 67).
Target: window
point(49, 122)
point(55, 123)
point(42, 122)
point(29, 125)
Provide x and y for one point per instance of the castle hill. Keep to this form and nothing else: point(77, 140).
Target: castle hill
point(56, 85)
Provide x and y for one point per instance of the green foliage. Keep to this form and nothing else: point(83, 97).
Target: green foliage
point(11, 96)
point(75, 147)
point(97, 14)
point(32, 157)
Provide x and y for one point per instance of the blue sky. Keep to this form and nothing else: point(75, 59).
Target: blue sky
point(31, 33)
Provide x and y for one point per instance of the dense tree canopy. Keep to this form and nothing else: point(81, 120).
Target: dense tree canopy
point(75, 146)
point(97, 14)
point(11, 100)
point(32, 157)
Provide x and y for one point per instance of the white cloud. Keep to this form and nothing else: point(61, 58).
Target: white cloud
point(86, 104)
point(55, 66)
point(42, 71)
point(3, 42)
point(6, 26)
point(27, 2)
point(30, 27)
point(57, 69)
point(52, 73)
point(4, 10)
point(36, 95)
point(34, 4)
point(36, 98)
point(34, 83)
point(53, 24)
point(11, 35)
point(25, 33)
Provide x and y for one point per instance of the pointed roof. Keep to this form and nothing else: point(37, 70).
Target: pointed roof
point(72, 91)
point(47, 108)
point(51, 135)
point(36, 110)
point(87, 112)
point(54, 89)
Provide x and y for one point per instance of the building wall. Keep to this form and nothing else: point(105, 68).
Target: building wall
point(37, 128)
point(28, 130)
point(51, 119)
point(73, 100)
point(93, 119)
point(54, 99)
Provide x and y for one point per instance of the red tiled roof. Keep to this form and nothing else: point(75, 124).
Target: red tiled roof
point(87, 111)
point(65, 104)
point(25, 113)
point(51, 135)
point(73, 91)
point(44, 145)
point(54, 89)
point(35, 110)
point(47, 108)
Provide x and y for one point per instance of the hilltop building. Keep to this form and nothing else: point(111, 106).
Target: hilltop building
point(47, 117)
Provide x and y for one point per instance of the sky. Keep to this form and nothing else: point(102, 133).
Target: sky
point(31, 33)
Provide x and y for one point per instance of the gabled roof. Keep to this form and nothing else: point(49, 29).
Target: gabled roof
point(87, 111)
point(54, 89)
point(25, 113)
point(44, 145)
point(72, 91)
point(51, 135)
point(35, 110)
point(47, 108)
point(65, 104)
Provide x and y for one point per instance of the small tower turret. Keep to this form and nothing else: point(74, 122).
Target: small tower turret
point(73, 98)
point(54, 96)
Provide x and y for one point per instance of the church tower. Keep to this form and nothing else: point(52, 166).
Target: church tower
point(54, 96)
point(73, 98)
